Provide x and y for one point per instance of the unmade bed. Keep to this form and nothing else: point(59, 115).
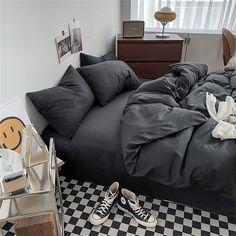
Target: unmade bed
point(94, 154)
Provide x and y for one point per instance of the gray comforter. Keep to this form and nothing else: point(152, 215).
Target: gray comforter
point(166, 131)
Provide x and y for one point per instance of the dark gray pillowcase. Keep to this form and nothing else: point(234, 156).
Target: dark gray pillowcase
point(65, 105)
point(108, 79)
point(86, 60)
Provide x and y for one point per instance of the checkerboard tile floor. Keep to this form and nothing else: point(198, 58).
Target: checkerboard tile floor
point(173, 219)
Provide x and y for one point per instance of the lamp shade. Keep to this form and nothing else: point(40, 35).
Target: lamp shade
point(165, 14)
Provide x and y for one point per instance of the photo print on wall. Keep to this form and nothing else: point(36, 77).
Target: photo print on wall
point(63, 46)
point(75, 36)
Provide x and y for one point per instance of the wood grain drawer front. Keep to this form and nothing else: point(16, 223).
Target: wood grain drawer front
point(150, 51)
point(150, 69)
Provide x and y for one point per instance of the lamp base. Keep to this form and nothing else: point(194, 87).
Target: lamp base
point(163, 36)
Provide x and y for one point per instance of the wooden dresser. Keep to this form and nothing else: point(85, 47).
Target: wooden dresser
point(149, 56)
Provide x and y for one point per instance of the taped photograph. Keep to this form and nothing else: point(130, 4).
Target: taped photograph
point(75, 36)
point(63, 46)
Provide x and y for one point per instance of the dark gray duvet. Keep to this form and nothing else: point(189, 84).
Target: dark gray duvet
point(166, 131)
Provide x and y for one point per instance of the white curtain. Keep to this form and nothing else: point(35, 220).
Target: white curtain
point(199, 15)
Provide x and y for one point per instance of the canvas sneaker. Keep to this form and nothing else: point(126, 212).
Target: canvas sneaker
point(100, 214)
point(129, 203)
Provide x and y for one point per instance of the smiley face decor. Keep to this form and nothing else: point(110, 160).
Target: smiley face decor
point(13, 118)
point(11, 133)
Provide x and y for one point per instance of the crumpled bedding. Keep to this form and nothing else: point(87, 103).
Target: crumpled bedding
point(166, 131)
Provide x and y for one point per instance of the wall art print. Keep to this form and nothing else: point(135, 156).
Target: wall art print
point(75, 36)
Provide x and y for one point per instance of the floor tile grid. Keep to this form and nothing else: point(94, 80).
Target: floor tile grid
point(173, 219)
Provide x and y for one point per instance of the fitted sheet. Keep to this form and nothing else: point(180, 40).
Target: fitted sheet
point(95, 146)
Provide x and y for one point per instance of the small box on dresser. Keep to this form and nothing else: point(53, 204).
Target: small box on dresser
point(149, 56)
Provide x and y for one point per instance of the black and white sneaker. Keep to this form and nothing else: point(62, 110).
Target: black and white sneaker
point(102, 211)
point(129, 203)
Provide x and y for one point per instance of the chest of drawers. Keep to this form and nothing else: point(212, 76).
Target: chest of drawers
point(149, 56)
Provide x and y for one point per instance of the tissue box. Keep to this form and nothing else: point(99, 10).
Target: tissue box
point(13, 175)
point(14, 183)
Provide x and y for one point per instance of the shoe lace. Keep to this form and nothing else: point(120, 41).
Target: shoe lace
point(105, 204)
point(139, 210)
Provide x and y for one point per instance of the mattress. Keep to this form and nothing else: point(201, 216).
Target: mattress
point(94, 154)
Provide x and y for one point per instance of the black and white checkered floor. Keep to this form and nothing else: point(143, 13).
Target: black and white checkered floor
point(173, 219)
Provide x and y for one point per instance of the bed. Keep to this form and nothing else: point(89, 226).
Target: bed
point(154, 138)
point(94, 154)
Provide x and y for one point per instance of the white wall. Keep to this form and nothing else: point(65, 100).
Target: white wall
point(28, 53)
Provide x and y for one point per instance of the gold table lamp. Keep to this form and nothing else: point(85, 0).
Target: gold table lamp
point(164, 15)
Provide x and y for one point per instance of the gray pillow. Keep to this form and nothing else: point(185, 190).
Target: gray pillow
point(65, 105)
point(86, 59)
point(108, 79)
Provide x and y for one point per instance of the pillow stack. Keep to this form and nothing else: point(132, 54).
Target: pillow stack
point(65, 105)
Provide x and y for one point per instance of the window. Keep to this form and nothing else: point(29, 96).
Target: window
point(192, 15)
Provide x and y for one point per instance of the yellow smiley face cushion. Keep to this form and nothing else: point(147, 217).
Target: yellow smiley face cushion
point(11, 133)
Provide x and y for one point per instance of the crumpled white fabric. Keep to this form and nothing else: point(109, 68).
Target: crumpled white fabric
point(224, 129)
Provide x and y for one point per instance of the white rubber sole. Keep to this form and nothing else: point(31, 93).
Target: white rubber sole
point(146, 224)
point(97, 222)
